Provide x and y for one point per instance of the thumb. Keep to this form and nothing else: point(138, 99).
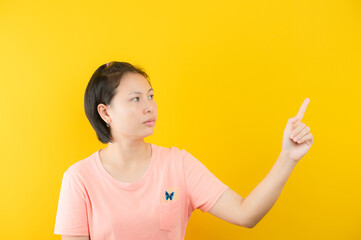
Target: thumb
point(290, 123)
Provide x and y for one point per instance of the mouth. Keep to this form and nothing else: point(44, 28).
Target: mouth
point(149, 121)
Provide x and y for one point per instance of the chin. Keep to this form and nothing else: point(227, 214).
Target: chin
point(147, 134)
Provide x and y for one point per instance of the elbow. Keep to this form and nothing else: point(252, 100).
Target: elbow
point(252, 226)
point(246, 222)
point(248, 225)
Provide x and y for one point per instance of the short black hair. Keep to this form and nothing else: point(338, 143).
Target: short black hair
point(101, 89)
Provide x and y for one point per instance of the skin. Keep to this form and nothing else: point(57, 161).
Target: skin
point(247, 212)
point(128, 157)
point(297, 137)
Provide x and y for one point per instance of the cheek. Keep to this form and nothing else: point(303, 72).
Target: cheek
point(124, 114)
point(131, 116)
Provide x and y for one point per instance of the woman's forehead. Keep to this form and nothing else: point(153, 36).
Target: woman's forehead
point(134, 84)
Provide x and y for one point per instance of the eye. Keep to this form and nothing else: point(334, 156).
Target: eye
point(138, 97)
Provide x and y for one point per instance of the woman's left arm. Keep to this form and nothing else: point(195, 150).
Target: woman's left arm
point(297, 140)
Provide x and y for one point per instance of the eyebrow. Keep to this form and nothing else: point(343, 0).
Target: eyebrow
point(140, 92)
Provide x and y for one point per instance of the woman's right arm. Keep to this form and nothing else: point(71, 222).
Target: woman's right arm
point(64, 237)
point(71, 217)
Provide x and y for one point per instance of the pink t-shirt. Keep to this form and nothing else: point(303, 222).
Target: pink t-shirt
point(157, 206)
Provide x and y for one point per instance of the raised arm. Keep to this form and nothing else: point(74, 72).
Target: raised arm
point(247, 212)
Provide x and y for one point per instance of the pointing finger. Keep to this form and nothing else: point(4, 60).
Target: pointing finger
point(302, 110)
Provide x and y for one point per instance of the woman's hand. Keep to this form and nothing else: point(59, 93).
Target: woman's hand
point(297, 138)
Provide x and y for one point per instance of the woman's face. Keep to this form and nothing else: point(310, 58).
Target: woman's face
point(132, 104)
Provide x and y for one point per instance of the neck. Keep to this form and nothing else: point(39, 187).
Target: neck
point(125, 153)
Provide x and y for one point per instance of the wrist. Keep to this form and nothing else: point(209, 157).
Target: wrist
point(285, 153)
point(285, 157)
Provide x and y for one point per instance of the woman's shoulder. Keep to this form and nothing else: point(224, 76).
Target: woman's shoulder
point(171, 151)
point(81, 166)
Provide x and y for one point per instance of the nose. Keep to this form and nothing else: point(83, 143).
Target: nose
point(149, 107)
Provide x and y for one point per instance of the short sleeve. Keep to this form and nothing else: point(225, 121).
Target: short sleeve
point(203, 187)
point(71, 216)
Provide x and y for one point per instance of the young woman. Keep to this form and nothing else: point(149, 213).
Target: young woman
point(137, 190)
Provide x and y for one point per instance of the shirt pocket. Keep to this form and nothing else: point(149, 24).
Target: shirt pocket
point(169, 216)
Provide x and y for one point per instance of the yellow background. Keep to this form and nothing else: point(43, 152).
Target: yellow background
point(227, 76)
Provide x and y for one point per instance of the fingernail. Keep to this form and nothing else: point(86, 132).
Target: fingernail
point(295, 139)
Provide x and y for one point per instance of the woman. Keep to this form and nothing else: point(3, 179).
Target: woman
point(137, 190)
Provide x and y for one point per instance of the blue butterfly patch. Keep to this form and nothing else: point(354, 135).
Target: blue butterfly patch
point(170, 196)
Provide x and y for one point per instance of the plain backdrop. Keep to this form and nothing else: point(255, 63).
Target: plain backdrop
point(227, 76)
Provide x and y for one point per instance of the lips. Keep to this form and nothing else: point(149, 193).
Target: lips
point(150, 120)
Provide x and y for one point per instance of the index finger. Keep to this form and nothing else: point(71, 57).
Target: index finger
point(302, 110)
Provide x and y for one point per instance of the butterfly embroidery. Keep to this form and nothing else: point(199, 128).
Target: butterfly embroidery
point(170, 196)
